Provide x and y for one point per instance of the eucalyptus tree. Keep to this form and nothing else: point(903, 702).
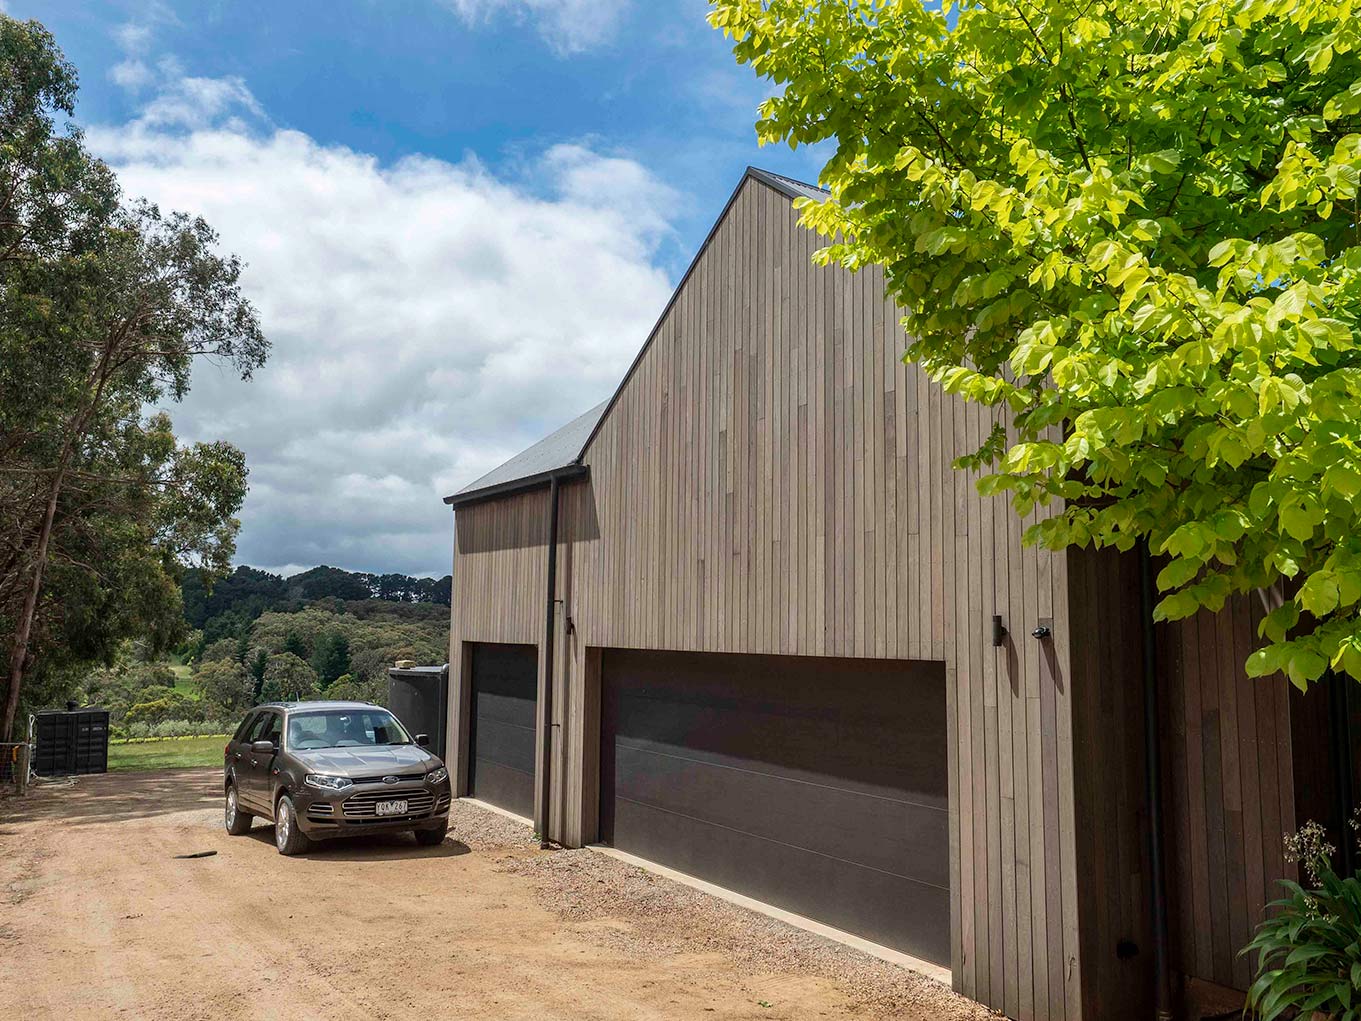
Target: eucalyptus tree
point(105, 306)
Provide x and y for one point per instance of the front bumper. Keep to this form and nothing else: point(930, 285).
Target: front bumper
point(323, 814)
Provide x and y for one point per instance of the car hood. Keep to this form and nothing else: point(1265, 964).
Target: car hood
point(353, 762)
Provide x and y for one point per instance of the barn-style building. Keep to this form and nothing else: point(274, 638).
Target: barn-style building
point(745, 620)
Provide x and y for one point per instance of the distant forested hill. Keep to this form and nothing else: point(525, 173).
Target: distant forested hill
point(245, 594)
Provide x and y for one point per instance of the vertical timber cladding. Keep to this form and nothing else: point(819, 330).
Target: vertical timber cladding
point(818, 785)
point(772, 479)
point(501, 745)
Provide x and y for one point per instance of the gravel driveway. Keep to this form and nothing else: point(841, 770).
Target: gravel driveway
point(98, 918)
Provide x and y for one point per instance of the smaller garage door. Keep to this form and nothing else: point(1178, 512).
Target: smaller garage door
point(501, 745)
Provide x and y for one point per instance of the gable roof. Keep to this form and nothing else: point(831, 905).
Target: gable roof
point(560, 453)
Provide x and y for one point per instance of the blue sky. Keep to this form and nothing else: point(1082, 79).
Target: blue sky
point(500, 78)
point(460, 220)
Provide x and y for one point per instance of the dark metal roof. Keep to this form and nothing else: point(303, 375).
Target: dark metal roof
point(560, 453)
point(794, 189)
point(551, 454)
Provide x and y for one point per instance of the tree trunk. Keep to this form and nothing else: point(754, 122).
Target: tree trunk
point(24, 630)
point(25, 624)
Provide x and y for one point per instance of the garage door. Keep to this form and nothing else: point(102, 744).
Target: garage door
point(816, 785)
point(501, 742)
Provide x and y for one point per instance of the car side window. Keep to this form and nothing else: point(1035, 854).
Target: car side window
point(247, 725)
point(257, 729)
point(274, 731)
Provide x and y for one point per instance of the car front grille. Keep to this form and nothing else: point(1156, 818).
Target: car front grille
point(363, 806)
point(320, 810)
point(443, 803)
point(404, 777)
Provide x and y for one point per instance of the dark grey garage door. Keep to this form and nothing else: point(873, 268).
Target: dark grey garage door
point(501, 745)
point(817, 785)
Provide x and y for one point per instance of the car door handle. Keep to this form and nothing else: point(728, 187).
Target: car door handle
point(254, 762)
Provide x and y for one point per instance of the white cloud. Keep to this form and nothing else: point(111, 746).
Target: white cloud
point(133, 75)
point(429, 318)
point(568, 26)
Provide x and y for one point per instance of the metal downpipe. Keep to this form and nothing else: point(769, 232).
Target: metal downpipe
point(546, 789)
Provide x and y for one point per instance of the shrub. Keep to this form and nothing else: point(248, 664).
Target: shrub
point(166, 704)
point(1309, 950)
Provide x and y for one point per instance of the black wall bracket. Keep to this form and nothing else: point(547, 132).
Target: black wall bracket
point(999, 631)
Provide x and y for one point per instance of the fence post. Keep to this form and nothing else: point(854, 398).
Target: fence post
point(22, 767)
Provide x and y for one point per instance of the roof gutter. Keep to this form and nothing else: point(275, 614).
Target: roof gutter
point(565, 473)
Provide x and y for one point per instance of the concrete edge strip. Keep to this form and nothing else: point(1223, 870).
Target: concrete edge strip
point(499, 811)
point(934, 972)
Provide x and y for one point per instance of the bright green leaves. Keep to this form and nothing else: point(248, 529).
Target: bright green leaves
point(1131, 229)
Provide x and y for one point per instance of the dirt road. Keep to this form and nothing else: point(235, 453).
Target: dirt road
point(100, 919)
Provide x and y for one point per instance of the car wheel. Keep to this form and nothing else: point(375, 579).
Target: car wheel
point(287, 837)
point(236, 821)
point(432, 838)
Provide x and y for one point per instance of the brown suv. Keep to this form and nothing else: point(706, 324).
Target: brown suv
point(332, 769)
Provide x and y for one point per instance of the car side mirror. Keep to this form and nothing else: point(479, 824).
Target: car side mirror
point(262, 747)
point(423, 740)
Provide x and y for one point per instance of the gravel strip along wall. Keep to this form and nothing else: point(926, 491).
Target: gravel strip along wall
point(487, 831)
point(665, 918)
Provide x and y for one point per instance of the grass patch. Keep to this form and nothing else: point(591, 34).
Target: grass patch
point(165, 753)
point(183, 679)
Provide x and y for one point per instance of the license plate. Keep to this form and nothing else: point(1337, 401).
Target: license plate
point(390, 808)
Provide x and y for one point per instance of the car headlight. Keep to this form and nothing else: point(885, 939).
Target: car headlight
point(437, 775)
point(327, 783)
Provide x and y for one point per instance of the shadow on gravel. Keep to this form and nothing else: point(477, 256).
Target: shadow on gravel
point(110, 797)
point(379, 847)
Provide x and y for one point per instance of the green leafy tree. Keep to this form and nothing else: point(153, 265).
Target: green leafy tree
point(226, 689)
point(258, 661)
point(104, 308)
point(294, 644)
point(1131, 229)
point(332, 656)
point(288, 678)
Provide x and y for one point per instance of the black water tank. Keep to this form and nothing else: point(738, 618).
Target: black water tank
point(71, 741)
point(419, 697)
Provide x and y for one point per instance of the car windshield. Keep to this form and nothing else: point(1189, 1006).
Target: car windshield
point(345, 728)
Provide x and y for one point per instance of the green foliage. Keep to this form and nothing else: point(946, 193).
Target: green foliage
point(224, 649)
point(227, 689)
point(1309, 949)
point(105, 306)
point(331, 658)
point(348, 688)
point(288, 679)
point(1131, 230)
point(169, 705)
point(385, 633)
point(294, 644)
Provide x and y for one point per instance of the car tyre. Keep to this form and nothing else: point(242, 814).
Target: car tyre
point(432, 838)
point(236, 820)
point(288, 838)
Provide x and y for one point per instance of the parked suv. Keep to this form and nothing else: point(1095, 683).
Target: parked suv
point(332, 769)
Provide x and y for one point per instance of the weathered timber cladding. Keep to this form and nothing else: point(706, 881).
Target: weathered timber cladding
point(773, 479)
point(1229, 788)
